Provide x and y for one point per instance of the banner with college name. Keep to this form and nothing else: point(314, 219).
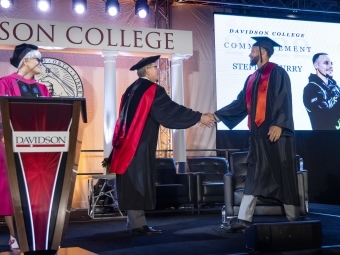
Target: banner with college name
point(94, 38)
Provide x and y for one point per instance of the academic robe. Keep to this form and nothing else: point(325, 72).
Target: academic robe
point(9, 87)
point(271, 165)
point(136, 186)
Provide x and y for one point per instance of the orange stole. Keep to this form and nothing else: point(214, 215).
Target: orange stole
point(261, 94)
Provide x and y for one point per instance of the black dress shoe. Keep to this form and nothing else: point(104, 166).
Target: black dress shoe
point(145, 230)
point(236, 226)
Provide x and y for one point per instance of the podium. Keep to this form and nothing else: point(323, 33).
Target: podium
point(42, 140)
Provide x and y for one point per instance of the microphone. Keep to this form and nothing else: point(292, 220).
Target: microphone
point(57, 77)
point(22, 76)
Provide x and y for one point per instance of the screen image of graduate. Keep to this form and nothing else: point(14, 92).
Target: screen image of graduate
point(321, 94)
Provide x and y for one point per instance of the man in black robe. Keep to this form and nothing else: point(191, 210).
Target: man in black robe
point(144, 106)
point(321, 95)
point(266, 99)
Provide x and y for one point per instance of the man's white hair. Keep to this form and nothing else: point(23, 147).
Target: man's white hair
point(31, 54)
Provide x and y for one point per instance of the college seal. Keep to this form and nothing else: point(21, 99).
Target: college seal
point(60, 78)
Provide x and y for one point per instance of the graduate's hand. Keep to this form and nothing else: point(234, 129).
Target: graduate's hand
point(207, 120)
point(274, 133)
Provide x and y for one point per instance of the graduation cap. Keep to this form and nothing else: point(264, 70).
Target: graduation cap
point(20, 52)
point(144, 62)
point(266, 43)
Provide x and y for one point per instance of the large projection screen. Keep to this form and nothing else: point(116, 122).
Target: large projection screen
point(300, 40)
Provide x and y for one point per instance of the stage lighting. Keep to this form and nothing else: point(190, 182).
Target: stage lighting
point(112, 7)
point(142, 8)
point(79, 6)
point(44, 5)
point(6, 3)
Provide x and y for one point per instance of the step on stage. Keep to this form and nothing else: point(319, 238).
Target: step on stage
point(62, 251)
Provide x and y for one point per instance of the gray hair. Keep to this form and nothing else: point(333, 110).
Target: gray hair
point(142, 71)
point(29, 55)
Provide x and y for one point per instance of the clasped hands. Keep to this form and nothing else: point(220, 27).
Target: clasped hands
point(207, 120)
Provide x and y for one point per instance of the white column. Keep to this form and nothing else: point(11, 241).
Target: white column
point(177, 91)
point(109, 98)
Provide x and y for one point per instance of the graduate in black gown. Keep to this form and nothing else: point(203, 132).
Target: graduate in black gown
point(144, 106)
point(267, 101)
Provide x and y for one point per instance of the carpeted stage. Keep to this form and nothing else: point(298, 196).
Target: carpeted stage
point(183, 233)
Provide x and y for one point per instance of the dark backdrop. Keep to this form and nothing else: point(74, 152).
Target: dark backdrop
point(320, 151)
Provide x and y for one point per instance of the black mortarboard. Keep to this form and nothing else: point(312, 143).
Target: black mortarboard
point(266, 43)
point(20, 52)
point(144, 62)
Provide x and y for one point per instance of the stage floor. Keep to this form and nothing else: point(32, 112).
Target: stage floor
point(183, 233)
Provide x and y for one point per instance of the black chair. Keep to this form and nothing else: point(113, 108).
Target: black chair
point(234, 182)
point(172, 189)
point(209, 173)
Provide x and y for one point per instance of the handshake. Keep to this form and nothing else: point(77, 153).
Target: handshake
point(207, 120)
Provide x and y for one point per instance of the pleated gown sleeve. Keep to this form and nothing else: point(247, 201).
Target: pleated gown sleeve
point(170, 114)
point(232, 114)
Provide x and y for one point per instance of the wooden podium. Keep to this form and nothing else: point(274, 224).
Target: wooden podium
point(43, 141)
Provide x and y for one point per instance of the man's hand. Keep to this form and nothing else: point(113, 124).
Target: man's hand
point(274, 133)
point(207, 120)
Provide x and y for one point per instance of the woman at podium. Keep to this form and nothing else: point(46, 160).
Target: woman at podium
point(27, 59)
